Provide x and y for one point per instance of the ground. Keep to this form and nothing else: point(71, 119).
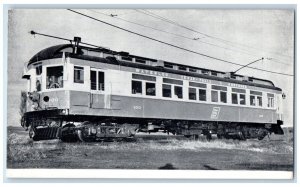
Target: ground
point(152, 152)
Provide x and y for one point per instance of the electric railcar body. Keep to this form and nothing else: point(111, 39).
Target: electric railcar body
point(76, 92)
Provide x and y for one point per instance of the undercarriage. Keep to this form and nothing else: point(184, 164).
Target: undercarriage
point(91, 128)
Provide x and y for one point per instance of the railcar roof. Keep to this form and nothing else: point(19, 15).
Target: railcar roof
point(48, 53)
point(56, 52)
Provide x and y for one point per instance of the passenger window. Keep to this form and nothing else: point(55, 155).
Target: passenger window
point(252, 100)
point(93, 80)
point(214, 96)
point(167, 92)
point(192, 93)
point(234, 98)
point(178, 92)
point(78, 74)
point(259, 100)
point(136, 87)
point(97, 83)
point(150, 89)
point(242, 99)
point(101, 80)
point(54, 77)
point(223, 97)
point(202, 95)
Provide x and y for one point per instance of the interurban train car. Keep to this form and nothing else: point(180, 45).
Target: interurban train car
point(79, 93)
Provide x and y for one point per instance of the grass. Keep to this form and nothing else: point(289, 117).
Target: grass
point(21, 150)
point(151, 152)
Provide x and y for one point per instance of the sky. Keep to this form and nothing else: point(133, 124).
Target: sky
point(239, 36)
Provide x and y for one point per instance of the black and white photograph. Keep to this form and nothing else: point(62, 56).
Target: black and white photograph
point(151, 90)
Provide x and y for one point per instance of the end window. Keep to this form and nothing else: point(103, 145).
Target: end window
point(270, 102)
point(39, 69)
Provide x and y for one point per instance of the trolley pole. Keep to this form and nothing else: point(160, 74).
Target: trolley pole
point(247, 65)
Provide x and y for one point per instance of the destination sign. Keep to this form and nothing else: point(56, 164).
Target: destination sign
point(189, 78)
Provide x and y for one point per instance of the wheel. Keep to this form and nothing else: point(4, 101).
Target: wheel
point(262, 133)
point(33, 134)
point(23, 122)
point(208, 137)
point(68, 133)
point(220, 136)
point(84, 132)
point(195, 136)
point(242, 136)
point(261, 137)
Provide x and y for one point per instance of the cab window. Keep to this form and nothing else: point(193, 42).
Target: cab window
point(54, 77)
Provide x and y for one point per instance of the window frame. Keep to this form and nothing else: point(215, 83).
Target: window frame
point(220, 89)
point(144, 79)
point(223, 92)
point(254, 103)
point(40, 67)
point(91, 87)
point(217, 94)
point(257, 102)
point(97, 80)
point(46, 77)
point(199, 95)
point(146, 92)
point(237, 98)
point(171, 94)
point(80, 69)
point(137, 81)
point(270, 97)
point(192, 88)
point(175, 95)
point(240, 100)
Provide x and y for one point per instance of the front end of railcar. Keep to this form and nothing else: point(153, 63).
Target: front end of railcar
point(46, 101)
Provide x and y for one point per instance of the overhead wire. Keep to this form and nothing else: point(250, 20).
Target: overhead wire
point(149, 13)
point(178, 35)
point(172, 45)
point(115, 17)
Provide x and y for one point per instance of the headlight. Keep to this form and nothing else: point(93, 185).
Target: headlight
point(65, 111)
